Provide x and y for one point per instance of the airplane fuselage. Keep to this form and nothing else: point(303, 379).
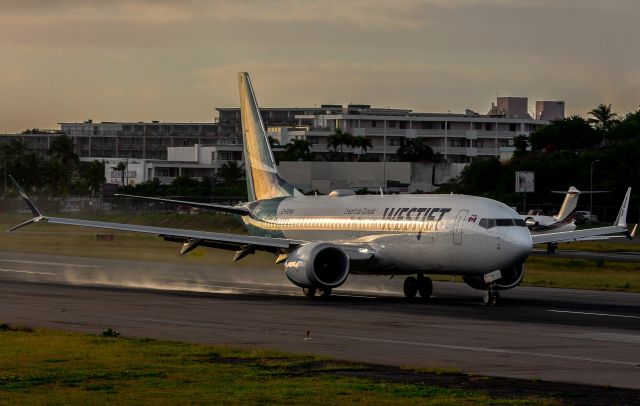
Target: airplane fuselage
point(443, 234)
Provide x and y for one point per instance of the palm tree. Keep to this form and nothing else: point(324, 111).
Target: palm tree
point(362, 142)
point(298, 150)
point(415, 150)
point(122, 167)
point(339, 139)
point(603, 119)
point(230, 173)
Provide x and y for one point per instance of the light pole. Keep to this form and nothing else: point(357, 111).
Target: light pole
point(591, 190)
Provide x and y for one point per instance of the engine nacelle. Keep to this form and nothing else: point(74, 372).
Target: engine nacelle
point(511, 278)
point(317, 265)
point(531, 223)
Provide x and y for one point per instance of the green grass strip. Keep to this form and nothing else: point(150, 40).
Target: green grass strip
point(54, 367)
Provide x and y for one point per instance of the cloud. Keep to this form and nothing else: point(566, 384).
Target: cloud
point(144, 59)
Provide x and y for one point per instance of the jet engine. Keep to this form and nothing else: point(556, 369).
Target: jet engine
point(511, 277)
point(530, 222)
point(317, 265)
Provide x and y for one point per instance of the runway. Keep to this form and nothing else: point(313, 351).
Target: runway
point(586, 337)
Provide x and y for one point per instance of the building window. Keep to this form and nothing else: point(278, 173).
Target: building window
point(225, 155)
point(312, 140)
point(513, 127)
point(488, 126)
point(392, 124)
point(395, 142)
point(374, 123)
point(477, 126)
point(163, 172)
point(188, 173)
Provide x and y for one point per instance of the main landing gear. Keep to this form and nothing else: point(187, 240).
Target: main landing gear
point(311, 292)
point(422, 285)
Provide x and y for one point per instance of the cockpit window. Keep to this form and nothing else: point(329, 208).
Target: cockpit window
point(487, 223)
point(490, 223)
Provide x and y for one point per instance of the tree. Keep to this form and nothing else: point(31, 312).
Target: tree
point(22, 163)
point(570, 133)
point(230, 173)
point(298, 150)
point(603, 118)
point(361, 142)
point(122, 168)
point(520, 143)
point(338, 140)
point(92, 176)
point(415, 150)
point(627, 129)
point(62, 149)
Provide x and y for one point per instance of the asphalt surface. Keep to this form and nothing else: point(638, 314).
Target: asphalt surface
point(586, 337)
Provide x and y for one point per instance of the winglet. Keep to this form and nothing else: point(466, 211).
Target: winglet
point(37, 216)
point(621, 220)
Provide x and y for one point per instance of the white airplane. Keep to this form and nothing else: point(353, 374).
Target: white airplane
point(322, 239)
point(563, 221)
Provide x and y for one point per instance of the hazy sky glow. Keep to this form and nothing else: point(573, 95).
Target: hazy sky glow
point(176, 61)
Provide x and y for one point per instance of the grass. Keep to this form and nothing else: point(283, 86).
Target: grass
point(582, 274)
point(53, 367)
point(67, 240)
point(617, 245)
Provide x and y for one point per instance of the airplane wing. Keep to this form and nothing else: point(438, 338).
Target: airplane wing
point(242, 244)
point(207, 206)
point(620, 226)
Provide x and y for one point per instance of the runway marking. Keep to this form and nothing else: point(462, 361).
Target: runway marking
point(19, 261)
point(487, 350)
point(29, 272)
point(595, 314)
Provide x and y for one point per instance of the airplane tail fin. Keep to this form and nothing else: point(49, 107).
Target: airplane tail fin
point(263, 180)
point(569, 205)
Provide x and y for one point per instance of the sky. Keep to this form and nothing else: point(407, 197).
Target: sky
point(143, 60)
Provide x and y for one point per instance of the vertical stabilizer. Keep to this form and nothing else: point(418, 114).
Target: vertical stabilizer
point(263, 180)
point(569, 205)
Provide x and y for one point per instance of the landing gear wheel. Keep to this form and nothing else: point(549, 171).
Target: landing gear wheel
point(326, 292)
point(410, 287)
point(490, 298)
point(309, 292)
point(552, 247)
point(425, 287)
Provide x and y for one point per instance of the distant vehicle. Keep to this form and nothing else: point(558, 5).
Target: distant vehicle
point(582, 217)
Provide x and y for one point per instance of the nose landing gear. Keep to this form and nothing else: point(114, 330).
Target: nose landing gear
point(490, 297)
point(422, 285)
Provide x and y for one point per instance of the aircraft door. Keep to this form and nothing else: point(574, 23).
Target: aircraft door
point(458, 225)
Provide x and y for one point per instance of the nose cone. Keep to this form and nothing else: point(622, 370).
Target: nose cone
point(517, 244)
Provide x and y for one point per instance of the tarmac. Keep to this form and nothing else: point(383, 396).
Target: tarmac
point(562, 335)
